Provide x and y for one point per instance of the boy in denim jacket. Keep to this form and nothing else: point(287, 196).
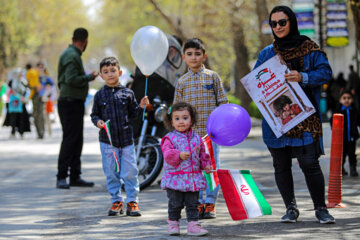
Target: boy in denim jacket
point(118, 104)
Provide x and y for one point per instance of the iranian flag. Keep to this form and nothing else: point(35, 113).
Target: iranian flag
point(243, 198)
point(108, 133)
point(212, 178)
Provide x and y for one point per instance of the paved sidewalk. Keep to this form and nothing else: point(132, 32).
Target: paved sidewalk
point(32, 208)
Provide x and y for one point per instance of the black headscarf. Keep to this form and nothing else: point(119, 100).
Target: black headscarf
point(293, 39)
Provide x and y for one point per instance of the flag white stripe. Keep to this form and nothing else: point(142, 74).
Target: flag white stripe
point(250, 202)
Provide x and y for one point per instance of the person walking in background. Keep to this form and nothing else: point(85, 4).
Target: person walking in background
point(33, 78)
point(117, 104)
point(347, 107)
point(353, 85)
point(47, 94)
point(17, 116)
point(310, 68)
point(74, 85)
point(203, 89)
point(183, 178)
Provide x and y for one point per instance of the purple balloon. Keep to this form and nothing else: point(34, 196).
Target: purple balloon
point(228, 125)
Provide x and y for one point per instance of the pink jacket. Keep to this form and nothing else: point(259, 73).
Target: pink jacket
point(183, 175)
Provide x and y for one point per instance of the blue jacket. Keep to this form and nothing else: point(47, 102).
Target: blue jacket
point(117, 104)
point(316, 72)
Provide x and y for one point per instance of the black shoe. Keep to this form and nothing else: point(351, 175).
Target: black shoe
point(353, 172)
point(322, 214)
point(291, 216)
point(344, 172)
point(61, 183)
point(80, 183)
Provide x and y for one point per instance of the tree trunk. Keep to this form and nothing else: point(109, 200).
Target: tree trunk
point(263, 15)
point(241, 59)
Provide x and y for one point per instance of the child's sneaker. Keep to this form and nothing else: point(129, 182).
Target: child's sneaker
point(322, 214)
point(209, 211)
point(173, 228)
point(117, 208)
point(195, 229)
point(132, 209)
point(201, 209)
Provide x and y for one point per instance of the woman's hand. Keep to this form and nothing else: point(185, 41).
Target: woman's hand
point(293, 76)
point(208, 169)
point(184, 155)
point(100, 124)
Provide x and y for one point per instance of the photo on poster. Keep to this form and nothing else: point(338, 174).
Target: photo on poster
point(283, 104)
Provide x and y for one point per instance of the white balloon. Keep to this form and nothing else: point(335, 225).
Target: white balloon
point(149, 48)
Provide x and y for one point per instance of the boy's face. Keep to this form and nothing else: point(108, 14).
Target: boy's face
point(346, 100)
point(111, 75)
point(194, 58)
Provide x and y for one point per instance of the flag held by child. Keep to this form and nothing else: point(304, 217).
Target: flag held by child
point(212, 178)
point(108, 133)
point(242, 196)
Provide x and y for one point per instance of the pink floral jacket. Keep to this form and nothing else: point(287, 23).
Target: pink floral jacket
point(183, 175)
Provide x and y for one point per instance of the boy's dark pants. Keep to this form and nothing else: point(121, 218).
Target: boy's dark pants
point(71, 113)
point(349, 149)
point(177, 201)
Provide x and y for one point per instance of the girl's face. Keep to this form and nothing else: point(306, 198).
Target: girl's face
point(346, 100)
point(280, 31)
point(181, 120)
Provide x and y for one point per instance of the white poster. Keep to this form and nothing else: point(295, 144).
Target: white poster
point(283, 104)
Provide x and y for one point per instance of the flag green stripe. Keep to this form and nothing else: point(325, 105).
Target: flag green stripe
point(209, 180)
point(265, 207)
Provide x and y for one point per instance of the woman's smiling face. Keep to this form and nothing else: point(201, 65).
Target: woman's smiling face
point(280, 31)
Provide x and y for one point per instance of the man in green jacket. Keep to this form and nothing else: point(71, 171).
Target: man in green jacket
point(74, 85)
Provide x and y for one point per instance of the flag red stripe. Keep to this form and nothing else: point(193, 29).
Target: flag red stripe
point(233, 201)
point(211, 152)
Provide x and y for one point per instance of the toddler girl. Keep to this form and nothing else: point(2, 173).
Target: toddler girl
point(182, 177)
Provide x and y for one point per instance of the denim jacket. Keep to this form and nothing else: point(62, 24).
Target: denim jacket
point(117, 104)
point(316, 72)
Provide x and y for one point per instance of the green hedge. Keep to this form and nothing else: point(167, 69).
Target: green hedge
point(253, 110)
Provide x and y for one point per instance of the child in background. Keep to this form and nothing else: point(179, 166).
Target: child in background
point(118, 104)
point(203, 89)
point(182, 177)
point(351, 134)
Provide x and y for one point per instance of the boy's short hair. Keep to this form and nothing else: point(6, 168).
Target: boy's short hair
point(346, 92)
point(194, 43)
point(179, 106)
point(109, 61)
point(80, 34)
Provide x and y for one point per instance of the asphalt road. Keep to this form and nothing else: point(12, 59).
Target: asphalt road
point(32, 208)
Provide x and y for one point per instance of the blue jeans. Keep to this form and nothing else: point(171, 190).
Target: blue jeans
point(210, 197)
point(128, 172)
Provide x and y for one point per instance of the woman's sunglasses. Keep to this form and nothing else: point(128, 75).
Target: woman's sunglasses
point(281, 22)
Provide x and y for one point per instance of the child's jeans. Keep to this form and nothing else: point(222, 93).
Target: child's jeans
point(210, 197)
point(177, 201)
point(128, 172)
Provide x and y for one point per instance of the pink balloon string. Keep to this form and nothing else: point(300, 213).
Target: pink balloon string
point(206, 139)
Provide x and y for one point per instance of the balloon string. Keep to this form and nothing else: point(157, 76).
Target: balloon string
point(146, 83)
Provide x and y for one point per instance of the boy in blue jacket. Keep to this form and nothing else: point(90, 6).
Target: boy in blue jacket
point(118, 104)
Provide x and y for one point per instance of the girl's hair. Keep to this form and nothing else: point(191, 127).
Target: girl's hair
point(179, 106)
point(281, 102)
